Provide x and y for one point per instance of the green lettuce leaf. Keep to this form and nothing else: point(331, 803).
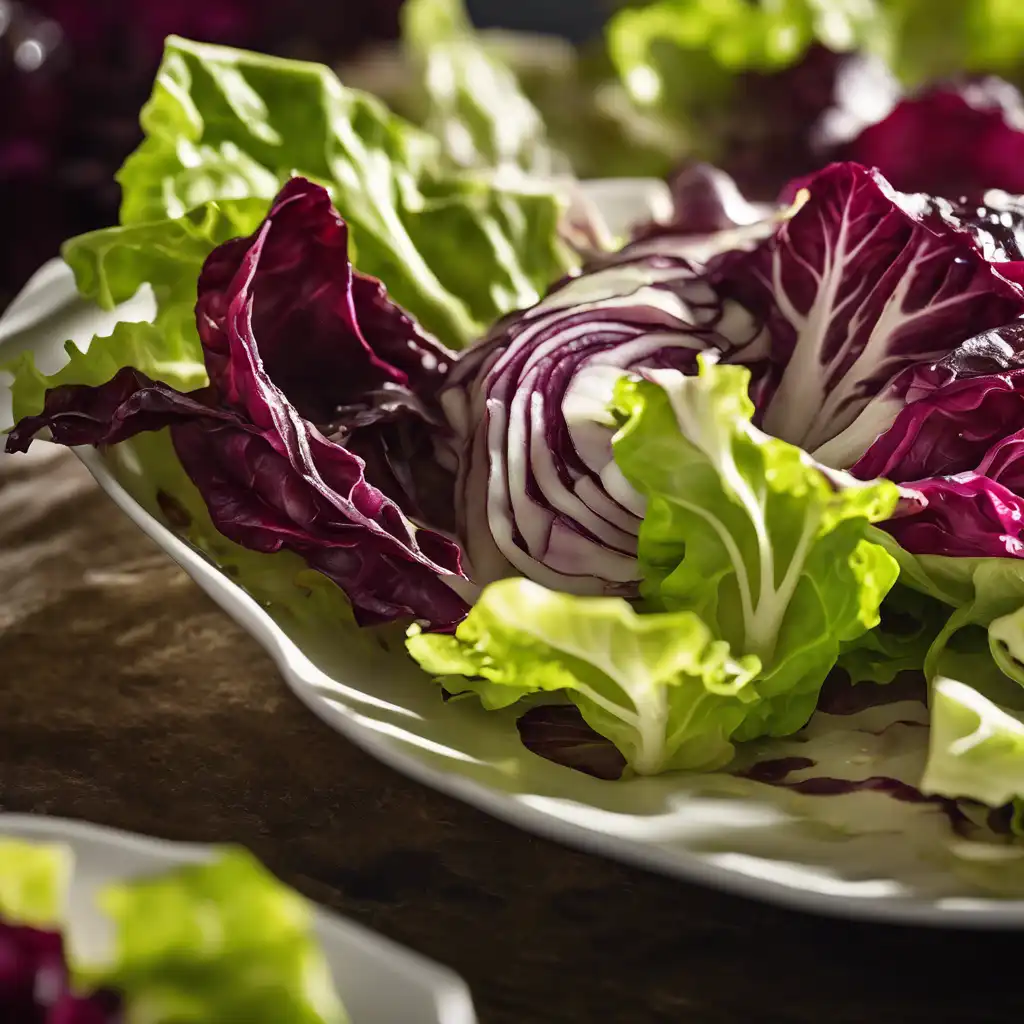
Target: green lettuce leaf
point(456, 251)
point(910, 623)
point(34, 880)
point(586, 113)
point(933, 39)
point(748, 532)
point(680, 59)
point(473, 101)
point(150, 470)
point(976, 747)
point(981, 636)
point(738, 34)
point(219, 942)
point(658, 686)
point(110, 266)
point(683, 54)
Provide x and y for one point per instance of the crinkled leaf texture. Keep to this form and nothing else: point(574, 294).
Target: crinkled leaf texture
point(956, 449)
point(474, 104)
point(659, 686)
point(110, 267)
point(289, 331)
point(752, 535)
point(457, 251)
point(910, 623)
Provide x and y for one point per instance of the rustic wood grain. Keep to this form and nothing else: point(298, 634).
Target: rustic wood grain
point(127, 698)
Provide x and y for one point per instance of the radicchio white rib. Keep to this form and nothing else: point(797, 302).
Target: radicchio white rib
point(861, 284)
point(538, 492)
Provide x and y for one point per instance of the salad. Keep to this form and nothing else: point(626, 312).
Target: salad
point(219, 941)
point(671, 495)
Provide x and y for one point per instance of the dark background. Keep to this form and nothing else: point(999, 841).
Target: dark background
point(74, 73)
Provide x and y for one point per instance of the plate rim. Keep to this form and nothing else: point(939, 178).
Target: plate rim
point(452, 994)
point(979, 913)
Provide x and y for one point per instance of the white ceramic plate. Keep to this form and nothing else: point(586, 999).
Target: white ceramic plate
point(378, 981)
point(862, 855)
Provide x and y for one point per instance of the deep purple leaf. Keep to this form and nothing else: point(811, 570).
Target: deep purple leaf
point(948, 430)
point(949, 140)
point(328, 335)
point(128, 404)
point(35, 982)
point(968, 515)
point(300, 328)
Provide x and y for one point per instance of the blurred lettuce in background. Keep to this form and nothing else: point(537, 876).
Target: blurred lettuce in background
point(761, 87)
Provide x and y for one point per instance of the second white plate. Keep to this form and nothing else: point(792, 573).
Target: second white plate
point(379, 982)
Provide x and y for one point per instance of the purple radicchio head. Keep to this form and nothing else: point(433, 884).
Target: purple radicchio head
point(538, 491)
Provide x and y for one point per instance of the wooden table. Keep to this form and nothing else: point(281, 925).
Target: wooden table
point(127, 698)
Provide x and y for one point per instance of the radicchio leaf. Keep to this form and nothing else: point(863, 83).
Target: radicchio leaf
point(956, 446)
point(860, 284)
point(292, 337)
point(955, 409)
point(35, 985)
point(952, 139)
point(705, 201)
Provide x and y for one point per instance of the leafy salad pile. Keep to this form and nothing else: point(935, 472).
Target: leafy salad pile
point(672, 494)
point(211, 942)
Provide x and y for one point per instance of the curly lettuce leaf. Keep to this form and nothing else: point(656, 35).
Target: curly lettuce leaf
point(763, 544)
point(910, 623)
point(738, 34)
point(224, 941)
point(110, 266)
point(666, 693)
point(982, 601)
point(34, 880)
point(933, 39)
point(152, 472)
point(455, 251)
point(682, 56)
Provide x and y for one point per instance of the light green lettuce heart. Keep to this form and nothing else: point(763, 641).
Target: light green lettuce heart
point(764, 545)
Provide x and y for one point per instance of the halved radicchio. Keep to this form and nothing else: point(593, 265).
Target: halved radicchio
point(538, 491)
